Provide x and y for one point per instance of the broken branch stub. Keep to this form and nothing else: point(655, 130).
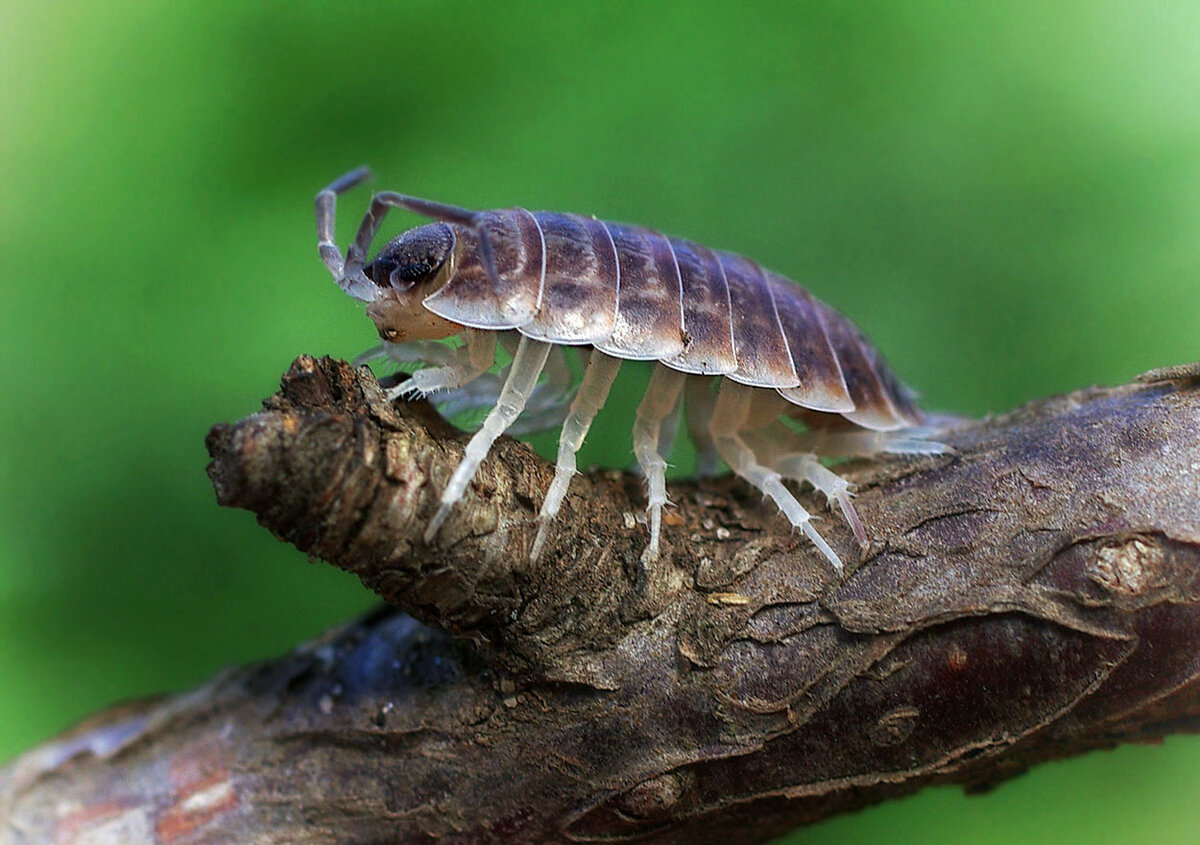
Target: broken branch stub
point(332, 467)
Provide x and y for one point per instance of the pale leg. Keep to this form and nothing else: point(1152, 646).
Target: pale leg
point(470, 361)
point(593, 392)
point(669, 430)
point(699, 401)
point(779, 447)
point(659, 402)
point(557, 381)
point(806, 467)
point(865, 444)
point(412, 352)
point(547, 407)
point(730, 417)
point(479, 393)
point(522, 377)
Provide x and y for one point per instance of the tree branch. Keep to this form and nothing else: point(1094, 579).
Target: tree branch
point(1033, 596)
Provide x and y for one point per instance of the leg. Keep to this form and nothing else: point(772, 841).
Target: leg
point(593, 392)
point(806, 467)
point(357, 286)
point(548, 405)
point(730, 418)
point(479, 393)
point(700, 400)
point(660, 400)
point(470, 361)
point(526, 367)
point(541, 418)
point(863, 443)
point(554, 391)
point(412, 352)
point(669, 430)
point(558, 375)
point(780, 448)
point(546, 408)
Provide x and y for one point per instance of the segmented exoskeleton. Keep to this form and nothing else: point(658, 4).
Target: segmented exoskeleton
point(623, 292)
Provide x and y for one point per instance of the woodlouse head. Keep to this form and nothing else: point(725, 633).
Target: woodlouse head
point(407, 270)
point(414, 259)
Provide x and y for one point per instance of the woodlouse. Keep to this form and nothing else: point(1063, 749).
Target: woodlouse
point(623, 292)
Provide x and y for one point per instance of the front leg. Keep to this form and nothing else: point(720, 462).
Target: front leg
point(474, 358)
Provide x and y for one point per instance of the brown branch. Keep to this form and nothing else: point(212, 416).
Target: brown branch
point(1032, 597)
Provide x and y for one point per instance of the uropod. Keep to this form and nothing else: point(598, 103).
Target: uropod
point(794, 380)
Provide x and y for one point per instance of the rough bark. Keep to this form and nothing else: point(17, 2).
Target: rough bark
point(1034, 595)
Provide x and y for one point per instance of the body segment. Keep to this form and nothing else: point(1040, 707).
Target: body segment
point(627, 292)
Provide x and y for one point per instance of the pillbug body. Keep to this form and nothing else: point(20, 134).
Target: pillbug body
point(622, 292)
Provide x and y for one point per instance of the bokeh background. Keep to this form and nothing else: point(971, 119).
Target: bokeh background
point(1005, 196)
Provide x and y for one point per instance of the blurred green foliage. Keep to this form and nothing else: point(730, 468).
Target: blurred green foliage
point(1005, 196)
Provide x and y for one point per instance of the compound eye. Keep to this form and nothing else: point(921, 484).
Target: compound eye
point(380, 271)
point(412, 272)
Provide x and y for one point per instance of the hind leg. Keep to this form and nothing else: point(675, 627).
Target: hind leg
point(779, 448)
point(731, 417)
point(656, 406)
point(806, 467)
point(863, 443)
point(522, 378)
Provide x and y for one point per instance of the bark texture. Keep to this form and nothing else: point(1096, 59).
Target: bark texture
point(1034, 595)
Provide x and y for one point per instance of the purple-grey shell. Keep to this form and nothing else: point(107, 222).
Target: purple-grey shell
point(637, 294)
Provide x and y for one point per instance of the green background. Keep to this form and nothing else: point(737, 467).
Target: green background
point(1005, 196)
